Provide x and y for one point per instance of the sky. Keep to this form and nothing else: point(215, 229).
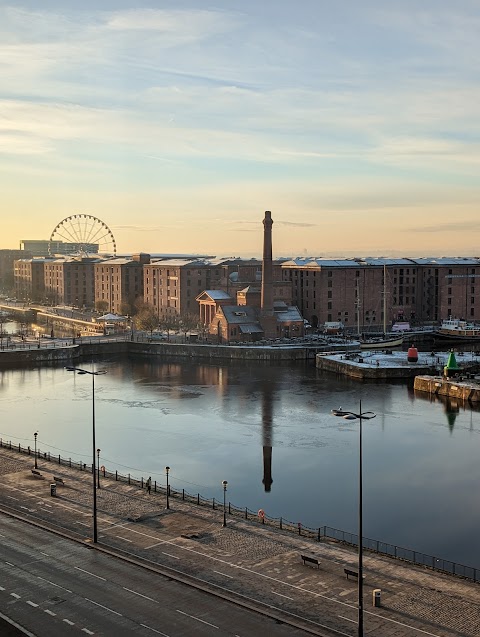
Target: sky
point(178, 123)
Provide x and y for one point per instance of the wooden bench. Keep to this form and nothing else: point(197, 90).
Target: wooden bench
point(310, 560)
point(36, 473)
point(349, 572)
point(58, 480)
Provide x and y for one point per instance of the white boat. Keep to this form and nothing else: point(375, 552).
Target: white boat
point(458, 329)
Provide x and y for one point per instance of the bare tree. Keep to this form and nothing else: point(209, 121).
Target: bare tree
point(101, 305)
point(146, 319)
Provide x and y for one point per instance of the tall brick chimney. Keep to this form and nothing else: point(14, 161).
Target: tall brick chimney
point(268, 320)
point(267, 268)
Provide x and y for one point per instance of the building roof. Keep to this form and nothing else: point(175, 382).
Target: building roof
point(289, 314)
point(217, 295)
point(240, 314)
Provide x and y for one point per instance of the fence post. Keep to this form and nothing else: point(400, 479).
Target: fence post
point(116, 475)
point(299, 528)
point(246, 513)
point(59, 462)
point(128, 478)
point(28, 449)
point(49, 456)
point(70, 463)
point(319, 534)
point(281, 524)
point(183, 494)
point(198, 498)
point(142, 482)
point(155, 486)
point(229, 511)
point(18, 447)
point(213, 501)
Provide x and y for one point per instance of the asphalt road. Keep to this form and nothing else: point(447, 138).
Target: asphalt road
point(54, 587)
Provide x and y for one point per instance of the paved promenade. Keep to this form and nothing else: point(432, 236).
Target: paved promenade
point(248, 559)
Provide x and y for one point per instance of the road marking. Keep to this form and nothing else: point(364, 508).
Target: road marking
point(88, 573)
point(123, 538)
point(46, 554)
point(50, 612)
point(1, 588)
point(224, 574)
point(280, 595)
point(82, 523)
point(32, 604)
point(11, 497)
point(196, 618)
point(153, 537)
point(105, 607)
point(10, 564)
point(154, 630)
point(89, 632)
point(53, 584)
point(67, 621)
point(16, 596)
point(170, 555)
point(140, 594)
point(354, 621)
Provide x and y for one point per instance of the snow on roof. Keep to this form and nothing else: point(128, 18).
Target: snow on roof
point(289, 314)
point(217, 295)
point(240, 314)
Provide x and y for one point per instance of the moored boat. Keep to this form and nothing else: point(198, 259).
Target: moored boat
point(382, 342)
point(458, 329)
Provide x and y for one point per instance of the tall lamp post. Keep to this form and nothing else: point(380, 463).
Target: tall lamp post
point(98, 468)
point(167, 471)
point(224, 485)
point(366, 415)
point(81, 371)
point(35, 436)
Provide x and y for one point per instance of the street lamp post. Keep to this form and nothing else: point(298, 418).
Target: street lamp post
point(224, 485)
point(81, 371)
point(167, 470)
point(98, 468)
point(366, 415)
point(35, 436)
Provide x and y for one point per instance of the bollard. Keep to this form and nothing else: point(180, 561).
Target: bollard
point(53, 490)
point(377, 592)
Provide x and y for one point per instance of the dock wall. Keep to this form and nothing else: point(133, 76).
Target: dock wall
point(453, 388)
point(366, 372)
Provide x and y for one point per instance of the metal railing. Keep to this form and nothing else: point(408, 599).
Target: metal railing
point(317, 534)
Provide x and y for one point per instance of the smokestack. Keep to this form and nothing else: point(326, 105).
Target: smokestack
point(267, 267)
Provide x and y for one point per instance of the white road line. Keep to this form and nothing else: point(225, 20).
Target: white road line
point(53, 584)
point(154, 630)
point(67, 621)
point(224, 574)
point(153, 537)
point(32, 604)
point(196, 618)
point(47, 505)
point(154, 545)
point(10, 564)
point(170, 555)
point(1, 588)
point(16, 596)
point(105, 607)
point(89, 632)
point(123, 538)
point(88, 573)
point(11, 497)
point(50, 612)
point(354, 621)
point(82, 523)
point(280, 595)
point(46, 554)
point(140, 594)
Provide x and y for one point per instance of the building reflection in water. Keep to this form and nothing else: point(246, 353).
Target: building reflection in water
point(267, 434)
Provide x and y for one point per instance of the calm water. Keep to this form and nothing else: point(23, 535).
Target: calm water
point(211, 423)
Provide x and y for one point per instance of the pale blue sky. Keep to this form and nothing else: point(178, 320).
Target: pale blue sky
point(178, 123)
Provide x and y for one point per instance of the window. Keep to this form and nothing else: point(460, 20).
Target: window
point(329, 294)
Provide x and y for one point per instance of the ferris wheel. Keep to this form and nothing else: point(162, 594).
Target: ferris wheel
point(82, 234)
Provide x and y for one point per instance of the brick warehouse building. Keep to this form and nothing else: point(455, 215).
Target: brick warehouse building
point(351, 290)
point(119, 282)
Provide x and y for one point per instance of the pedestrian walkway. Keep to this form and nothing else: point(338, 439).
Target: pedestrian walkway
point(246, 558)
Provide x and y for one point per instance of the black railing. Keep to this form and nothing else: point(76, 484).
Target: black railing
point(321, 533)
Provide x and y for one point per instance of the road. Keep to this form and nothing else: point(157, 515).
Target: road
point(55, 587)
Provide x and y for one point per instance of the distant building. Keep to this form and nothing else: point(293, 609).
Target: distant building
point(29, 279)
point(45, 248)
point(71, 281)
point(119, 282)
point(7, 260)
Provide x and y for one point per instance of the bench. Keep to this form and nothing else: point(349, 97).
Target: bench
point(58, 480)
point(310, 560)
point(37, 473)
point(349, 572)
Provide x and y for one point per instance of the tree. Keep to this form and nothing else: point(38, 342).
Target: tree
point(146, 319)
point(101, 305)
point(189, 322)
point(170, 322)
